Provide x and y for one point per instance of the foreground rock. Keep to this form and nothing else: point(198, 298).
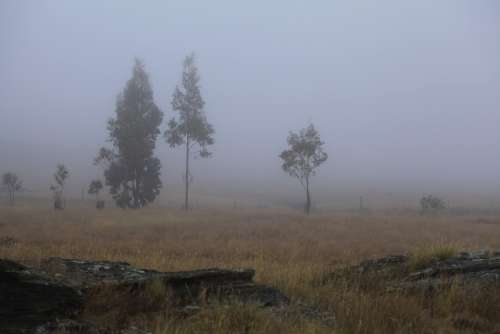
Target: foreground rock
point(91, 293)
point(468, 269)
point(28, 299)
point(396, 273)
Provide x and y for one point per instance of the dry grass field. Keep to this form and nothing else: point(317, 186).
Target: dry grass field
point(287, 249)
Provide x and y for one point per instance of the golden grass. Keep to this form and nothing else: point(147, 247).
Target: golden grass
point(237, 319)
point(422, 256)
point(288, 250)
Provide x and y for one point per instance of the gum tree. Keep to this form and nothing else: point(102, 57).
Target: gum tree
point(132, 172)
point(60, 177)
point(304, 155)
point(190, 128)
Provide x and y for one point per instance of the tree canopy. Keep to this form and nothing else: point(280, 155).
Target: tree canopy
point(304, 155)
point(131, 170)
point(190, 128)
point(95, 187)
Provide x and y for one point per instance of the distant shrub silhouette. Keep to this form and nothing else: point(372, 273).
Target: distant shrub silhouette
point(431, 205)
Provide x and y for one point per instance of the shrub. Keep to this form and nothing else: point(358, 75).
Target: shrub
point(431, 205)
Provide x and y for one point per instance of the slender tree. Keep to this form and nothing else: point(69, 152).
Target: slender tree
point(94, 189)
point(131, 170)
point(304, 156)
point(191, 127)
point(60, 177)
point(13, 184)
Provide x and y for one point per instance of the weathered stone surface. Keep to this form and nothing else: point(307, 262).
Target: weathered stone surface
point(34, 300)
point(28, 299)
point(185, 287)
point(393, 273)
point(68, 326)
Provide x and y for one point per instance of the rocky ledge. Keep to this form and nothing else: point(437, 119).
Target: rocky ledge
point(75, 296)
point(397, 273)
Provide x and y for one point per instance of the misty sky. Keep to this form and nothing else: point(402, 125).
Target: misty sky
point(406, 94)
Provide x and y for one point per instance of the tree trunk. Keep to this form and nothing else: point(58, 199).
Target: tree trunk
point(134, 192)
point(186, 197)
point(308, 197)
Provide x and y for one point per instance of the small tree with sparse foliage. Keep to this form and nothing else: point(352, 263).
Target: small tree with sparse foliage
point(60, 177)
point(304, 156)
point(191, 127)
point(94, 189)
point(13, 184)
point(431, 205)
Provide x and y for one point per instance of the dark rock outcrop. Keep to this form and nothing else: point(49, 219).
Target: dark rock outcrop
point(395, 273)
point(69, 326)
point(66, 326)
point(183, 287)
point(29, 299)
point(73, 296)
point(467, 269)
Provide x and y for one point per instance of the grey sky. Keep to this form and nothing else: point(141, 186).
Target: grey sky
point(406, 94)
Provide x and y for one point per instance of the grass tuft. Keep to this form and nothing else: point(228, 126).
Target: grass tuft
point(423, 256)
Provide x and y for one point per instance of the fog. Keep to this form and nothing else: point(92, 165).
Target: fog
point(406, 95)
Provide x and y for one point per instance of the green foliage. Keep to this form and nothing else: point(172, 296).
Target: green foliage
point(95, 187)
point(11, 181)
point(191, 127)
point(131, 170)
point(60, 176)
point(304, 156)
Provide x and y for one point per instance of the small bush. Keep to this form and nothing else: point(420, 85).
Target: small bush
point(431, 205)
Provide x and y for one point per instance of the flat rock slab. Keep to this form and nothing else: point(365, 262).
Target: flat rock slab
point(185, 287)
point(87, 274)
point(32, 299)
point(394, 273)
point(29, 298)
point(68, 326)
